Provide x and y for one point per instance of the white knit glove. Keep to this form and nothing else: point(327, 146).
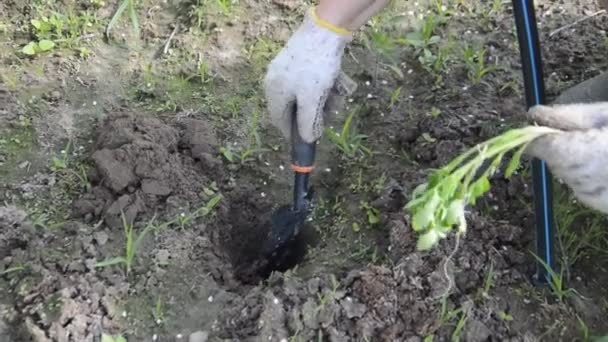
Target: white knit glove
point(304, 73)
point(578, 156)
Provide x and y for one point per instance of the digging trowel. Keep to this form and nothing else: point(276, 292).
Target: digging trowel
point(287, 220)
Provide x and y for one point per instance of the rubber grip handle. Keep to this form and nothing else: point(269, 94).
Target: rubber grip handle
point(303, 158)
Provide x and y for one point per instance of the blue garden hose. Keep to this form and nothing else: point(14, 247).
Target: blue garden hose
point(527, 34)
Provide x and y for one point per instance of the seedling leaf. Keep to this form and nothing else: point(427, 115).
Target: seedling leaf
point(29, 49)
point(46, 45)
point(110, 262)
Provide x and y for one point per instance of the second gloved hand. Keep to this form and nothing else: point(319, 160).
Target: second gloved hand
point(579, 156)
point(304, 73)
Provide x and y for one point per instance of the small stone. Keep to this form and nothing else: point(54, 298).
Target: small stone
point(101, 238)
point(199, 336)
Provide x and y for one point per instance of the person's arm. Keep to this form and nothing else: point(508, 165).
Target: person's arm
point(349, 14)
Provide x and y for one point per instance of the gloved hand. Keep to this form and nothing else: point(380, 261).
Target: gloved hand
point(579, 156)
point(304, 73)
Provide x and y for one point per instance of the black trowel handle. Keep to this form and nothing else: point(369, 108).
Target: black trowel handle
point(303, 159)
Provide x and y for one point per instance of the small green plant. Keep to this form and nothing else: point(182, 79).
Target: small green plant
point(557, 281)
point(475, 61)
point(373, 214)
point(395, 94)
point(459, 326)
point(425, 37)
point(35, 48)
point(505, 316)
point(348, 141)
point(112, 338)
point(158, 313)
point(126, 5)
point(226, 6)
point(439, 204)
point(241, 156)
point(580, 231)
point(132, 244)
point(58, 29)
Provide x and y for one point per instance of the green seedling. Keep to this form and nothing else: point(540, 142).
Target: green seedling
point(395, 94)
point(373, 214)
point(425, 37)
point(557, 281)
point(505, 316)
point(578, 241)
point(439, 204)
point(226, 6)
point(112, 338)
point(132, 244)
point(348, 141)
point(158, 313)
point(476, 65)
point(241, 156)
point(12, 270)
point(459, 326)
point(126, 5)
point(35, 48)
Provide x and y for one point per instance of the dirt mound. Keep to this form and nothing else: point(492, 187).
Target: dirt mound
point(142, 164)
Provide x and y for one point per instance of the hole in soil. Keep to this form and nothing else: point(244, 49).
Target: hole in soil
point(250, 225)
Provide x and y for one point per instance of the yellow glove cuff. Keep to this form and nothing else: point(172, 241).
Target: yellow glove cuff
point(325, 24)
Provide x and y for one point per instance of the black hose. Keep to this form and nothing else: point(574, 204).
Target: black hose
point(529, 46)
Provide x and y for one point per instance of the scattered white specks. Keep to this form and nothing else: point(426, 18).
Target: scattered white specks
point(411, 97)
point(411, 13)
point(367, 83)
point(267, 163)
point(148, 85)
point(327, 170)
point(124, 314)
point(263, 194)
point(275, 301)
point(579, 278)
point(526, 300)
point(369, 96)
point(179, 336)
point(385, 82)
point(210, 299)
point(264, 182)
point(154, 337)
point(159, 321)
point(382, 114)
point(349, 299)
point(281, 167)
point(182, 214)
point(410, 71)
point(351, 100)
point(465, 88)
point(495, 207)
point(283, 340)
point(84, 104)
point(94, 103)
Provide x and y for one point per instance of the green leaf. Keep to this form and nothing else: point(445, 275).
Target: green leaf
point(426, 215)
point(455, 212)
point(46, 45)
point(106, 338)
point(120, 339)
point(36, 23)
point(30, 49)
point(110, 262)
point(514, 163)
point(481, 186)
point(449, 186)
point(427, 240)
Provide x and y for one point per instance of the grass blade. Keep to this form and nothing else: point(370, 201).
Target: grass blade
point(110, 262)
point(123, 6)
